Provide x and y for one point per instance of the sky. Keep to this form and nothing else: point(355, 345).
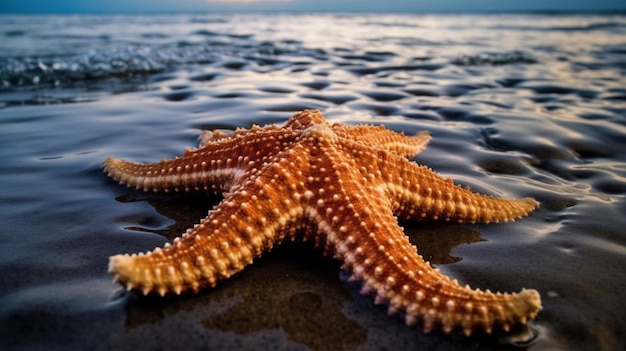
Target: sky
point(146, 6)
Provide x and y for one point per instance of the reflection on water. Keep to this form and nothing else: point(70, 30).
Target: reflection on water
point(518, 105)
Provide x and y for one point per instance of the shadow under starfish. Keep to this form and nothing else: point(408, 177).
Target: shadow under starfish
point(341, 187)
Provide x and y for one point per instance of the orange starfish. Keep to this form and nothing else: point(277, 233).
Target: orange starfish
point(343, 187)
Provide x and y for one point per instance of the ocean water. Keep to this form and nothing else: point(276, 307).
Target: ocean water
point(518, 105)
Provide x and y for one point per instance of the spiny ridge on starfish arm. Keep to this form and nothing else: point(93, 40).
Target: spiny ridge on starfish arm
point(340, 187)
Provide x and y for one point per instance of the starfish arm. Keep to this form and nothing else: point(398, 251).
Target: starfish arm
point(172, 175)
point(418, 193)
point(213, 168)
point(208, 136)
point(240, 228)
point(373, 136)
point(391, 269)
point(379, 137)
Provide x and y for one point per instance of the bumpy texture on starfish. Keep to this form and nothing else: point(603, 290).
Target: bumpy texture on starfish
point(342, 187)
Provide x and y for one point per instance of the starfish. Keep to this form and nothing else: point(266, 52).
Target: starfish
point(343, 188)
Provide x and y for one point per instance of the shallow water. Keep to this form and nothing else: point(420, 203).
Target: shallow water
point(518, 105)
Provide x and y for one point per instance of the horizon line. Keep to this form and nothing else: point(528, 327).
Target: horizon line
point(239, 11)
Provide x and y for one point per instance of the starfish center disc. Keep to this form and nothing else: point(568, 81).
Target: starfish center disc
point(319, 131)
